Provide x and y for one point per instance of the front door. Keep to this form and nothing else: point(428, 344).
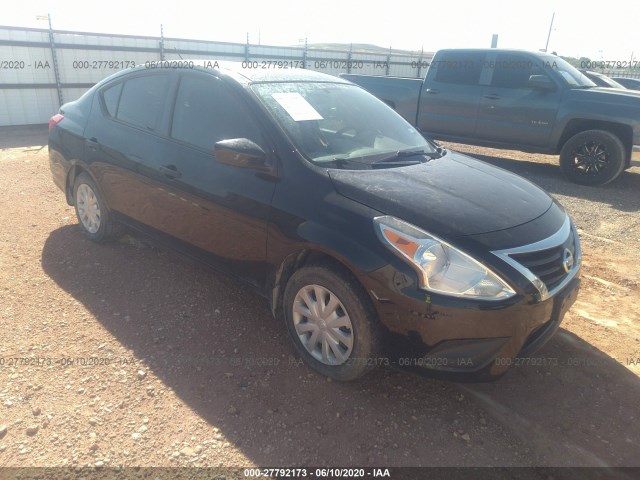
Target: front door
point(510, 111)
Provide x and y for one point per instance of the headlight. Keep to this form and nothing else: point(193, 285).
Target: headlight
point(441, 268)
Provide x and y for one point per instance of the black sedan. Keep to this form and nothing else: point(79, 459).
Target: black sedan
point(375, 245)
point(630, 83)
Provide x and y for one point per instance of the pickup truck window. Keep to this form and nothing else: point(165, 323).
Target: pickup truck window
point(513, 71)
point(569, 74)
point(463, 68)
point(331, 121)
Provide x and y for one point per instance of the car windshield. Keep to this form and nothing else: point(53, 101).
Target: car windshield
point(571, 75)
point(336, 125)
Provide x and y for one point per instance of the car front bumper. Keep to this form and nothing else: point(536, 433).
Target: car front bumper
point(465, 339)
point(469, 344)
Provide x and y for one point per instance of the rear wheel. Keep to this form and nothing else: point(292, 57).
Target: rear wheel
point(331, 322)
point(593, 157)
point(92, 211)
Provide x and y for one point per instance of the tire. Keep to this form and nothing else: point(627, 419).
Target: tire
point(91, 210)
point(593, 157)
point(354, 335)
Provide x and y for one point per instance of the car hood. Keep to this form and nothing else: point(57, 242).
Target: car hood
point(452, 196)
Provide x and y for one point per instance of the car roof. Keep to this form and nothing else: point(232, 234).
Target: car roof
point(498, 50)
point(253, 71)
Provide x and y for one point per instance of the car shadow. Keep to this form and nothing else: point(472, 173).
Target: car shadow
point(23, 136)
point(569, 399)
point(621, 194)
point(214, 343)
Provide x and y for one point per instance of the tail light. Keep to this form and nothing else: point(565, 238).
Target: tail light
point(56, 119)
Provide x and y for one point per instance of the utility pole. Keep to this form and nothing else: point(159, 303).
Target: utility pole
point(549, 35)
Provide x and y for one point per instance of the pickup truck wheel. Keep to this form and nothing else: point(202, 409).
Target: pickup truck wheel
point(331, 322)
point(92, 211)
point(593, 157)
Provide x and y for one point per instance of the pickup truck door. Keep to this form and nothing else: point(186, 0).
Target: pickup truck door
point(217, 212)
point(451, 94)
point(510, 111)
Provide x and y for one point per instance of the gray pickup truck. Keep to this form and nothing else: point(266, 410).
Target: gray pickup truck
point(529, 101)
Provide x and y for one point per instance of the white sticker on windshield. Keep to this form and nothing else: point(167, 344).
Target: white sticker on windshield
point(296, 106)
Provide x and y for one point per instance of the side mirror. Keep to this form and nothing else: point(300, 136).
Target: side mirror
point(541, 82)
point(241, 152)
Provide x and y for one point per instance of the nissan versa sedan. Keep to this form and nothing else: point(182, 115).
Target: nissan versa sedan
point(375, 245)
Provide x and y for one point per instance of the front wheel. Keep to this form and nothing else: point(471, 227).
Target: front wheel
point(593, 157)
point(331, 322)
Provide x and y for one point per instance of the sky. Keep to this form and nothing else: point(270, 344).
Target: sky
point(579, 29)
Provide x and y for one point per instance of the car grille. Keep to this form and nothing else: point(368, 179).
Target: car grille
point(547, 264)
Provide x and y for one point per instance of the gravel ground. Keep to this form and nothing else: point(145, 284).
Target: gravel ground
point(129, 355)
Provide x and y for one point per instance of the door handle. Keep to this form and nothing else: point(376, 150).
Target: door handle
point(170, 171)
point(432, 91)
point(92, 143)
point(492, 96)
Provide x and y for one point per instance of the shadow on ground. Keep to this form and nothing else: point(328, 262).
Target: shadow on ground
point(24, 136)
point(544, 414)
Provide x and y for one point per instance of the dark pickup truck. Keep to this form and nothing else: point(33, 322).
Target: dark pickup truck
point(529, 101)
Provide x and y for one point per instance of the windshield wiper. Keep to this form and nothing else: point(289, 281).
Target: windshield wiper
point(341, 162)
point(401, 156)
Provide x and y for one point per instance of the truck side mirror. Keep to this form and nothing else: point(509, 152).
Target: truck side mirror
point(541, 82)
point(241, 152)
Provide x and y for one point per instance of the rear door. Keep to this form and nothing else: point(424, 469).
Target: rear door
point(510, 111)
point(123, 132)
point(451, 94)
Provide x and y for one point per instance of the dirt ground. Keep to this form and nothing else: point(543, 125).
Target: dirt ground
point(129, 355)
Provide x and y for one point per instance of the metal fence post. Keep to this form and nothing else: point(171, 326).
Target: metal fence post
point(349, 55)
point(161, 43)
point(56, 70)
point(246, 49)
point(305, 53)
point(388, 62)
point(418, 73)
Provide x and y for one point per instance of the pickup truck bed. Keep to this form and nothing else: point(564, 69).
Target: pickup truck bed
point(401, 94)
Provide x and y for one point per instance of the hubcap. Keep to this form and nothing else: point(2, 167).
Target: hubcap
point(88, 208)
point(323, 325)
point(591, 158)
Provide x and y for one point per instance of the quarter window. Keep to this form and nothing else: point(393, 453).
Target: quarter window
point(142, 101)
point(206, 111)
point(111, 97)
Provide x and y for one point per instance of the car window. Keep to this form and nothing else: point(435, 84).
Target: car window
point(513, 71)
point(111, 96)
point(330, 121)
point(142, 100)
point(462, 68)
point(207, 111)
